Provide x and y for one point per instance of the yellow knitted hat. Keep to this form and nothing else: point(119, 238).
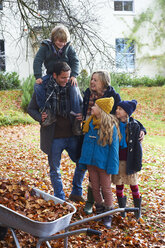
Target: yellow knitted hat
point(106, 104)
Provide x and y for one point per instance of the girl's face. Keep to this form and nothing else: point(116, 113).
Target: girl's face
point(96, 84)
point(121, 114)
point(95, 110)
point(60, 44)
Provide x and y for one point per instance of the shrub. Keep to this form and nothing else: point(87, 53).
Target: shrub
point(9, 81)
point(124, 79)
point(27, 91)
point(83, 80)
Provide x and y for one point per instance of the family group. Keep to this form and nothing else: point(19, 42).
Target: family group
point(97, 130)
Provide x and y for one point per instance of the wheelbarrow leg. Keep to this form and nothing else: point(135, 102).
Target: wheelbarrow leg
point(15, 238)
point(67, 234)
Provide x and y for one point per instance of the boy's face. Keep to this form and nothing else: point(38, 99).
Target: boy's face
point(95, 110)
point(63, 78)
point(120, 113)
point(60, 43)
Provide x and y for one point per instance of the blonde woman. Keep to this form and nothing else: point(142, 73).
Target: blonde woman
point(100, 154)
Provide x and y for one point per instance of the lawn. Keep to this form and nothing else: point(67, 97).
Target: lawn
point(22, 159)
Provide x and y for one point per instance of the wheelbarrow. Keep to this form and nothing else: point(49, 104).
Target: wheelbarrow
point(46, 231)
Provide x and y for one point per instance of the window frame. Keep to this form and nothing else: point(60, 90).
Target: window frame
point(2, 55)
point(124, 57)
point(123, 2)
point(47, 5)
point(1, 4)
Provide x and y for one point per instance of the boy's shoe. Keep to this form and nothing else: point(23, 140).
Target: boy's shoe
point(49, 120)
point(76, 198)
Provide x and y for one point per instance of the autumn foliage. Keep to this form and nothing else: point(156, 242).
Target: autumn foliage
point(22, 159)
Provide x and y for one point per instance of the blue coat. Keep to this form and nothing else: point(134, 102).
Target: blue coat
point(104, 157)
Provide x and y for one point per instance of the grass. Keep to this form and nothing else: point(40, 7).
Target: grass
point(10, 110)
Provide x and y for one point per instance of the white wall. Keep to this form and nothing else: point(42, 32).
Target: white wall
point(19, 57)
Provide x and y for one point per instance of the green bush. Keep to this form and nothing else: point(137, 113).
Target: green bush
point(83, 80)
point(11, 117)
point(124, 79)
point(9, 81)
point(27, 91)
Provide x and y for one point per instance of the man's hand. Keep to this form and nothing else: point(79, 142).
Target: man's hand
point(73, 81)
point(39, 81)
point(44, 116)
point(141, 136)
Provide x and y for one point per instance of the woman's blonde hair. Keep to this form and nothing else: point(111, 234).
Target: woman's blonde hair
point(106, 128)
point(104, 77)
point(60, 32)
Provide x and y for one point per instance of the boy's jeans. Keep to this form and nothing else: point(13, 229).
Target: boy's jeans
point(75, 96)
point(70, 145)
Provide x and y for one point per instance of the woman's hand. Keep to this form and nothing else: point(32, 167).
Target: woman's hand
point(39, 81)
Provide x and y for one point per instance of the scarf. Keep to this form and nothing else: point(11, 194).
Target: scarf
point(57, 98)
point(96, 123)
point(123, 143)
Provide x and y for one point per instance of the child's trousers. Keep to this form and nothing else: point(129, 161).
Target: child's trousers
point(75, 95)
point(101, 183)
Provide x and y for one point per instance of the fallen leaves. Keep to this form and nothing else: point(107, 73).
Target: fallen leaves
point(22, 199)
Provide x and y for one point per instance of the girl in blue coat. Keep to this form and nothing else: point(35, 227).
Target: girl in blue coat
point(100, 153)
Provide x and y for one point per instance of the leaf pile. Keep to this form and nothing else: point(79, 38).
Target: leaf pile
point(22, 199)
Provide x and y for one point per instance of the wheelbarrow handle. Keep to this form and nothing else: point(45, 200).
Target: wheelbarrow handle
point(131, 210)
point(93, 232)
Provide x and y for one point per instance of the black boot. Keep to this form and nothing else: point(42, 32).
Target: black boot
point(99, 210)
point(90, 201)
point(137, 204)
point(107, 220)
point(122, 204)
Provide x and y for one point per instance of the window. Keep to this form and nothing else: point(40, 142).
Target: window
point(2, 56)
point(125, 55)
point(123, 5)
point(1, 5)
point(47, 4)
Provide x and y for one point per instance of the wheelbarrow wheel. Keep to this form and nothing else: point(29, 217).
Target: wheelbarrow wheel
point(3, 231)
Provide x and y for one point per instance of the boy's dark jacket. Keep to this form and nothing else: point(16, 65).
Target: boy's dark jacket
point(47, 56)
point(134, 152)
point(110, 92)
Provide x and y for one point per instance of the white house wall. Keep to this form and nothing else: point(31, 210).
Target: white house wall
point(113, 25)
point(18, 56)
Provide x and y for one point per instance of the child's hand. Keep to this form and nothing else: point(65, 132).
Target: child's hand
point(79, 117)
point(141, 136)
point(39, 81)
point(44, 116)
point(73, 81)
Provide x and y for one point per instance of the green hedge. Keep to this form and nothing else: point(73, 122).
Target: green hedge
point(9, 81)
point(123, 79)
point(27, 91)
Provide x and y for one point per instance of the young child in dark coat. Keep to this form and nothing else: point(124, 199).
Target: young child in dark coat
point(130, 155)
point(50, 53)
